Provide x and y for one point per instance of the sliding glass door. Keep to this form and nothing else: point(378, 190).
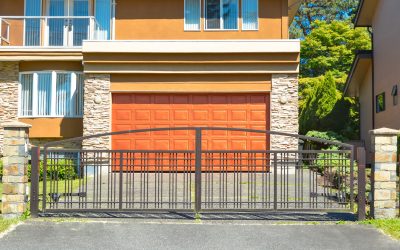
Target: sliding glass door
point(68, 23)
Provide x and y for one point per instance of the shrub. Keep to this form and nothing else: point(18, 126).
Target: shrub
point(61, 170)
point(1, 169)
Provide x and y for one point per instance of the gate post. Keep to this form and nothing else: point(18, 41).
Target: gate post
point(361, 183)
point(384, 148)
point(35, 156)
point(15, 162)
point(198, 153)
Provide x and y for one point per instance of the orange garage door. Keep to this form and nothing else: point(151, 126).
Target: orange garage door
point(139, 111)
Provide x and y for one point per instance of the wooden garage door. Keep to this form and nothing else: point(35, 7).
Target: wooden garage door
point(139, 111)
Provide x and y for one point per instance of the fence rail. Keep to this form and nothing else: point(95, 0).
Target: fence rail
point(49, 31)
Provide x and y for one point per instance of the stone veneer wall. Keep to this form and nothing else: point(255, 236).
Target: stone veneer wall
point(284, 110)
point(9, 78)
point(97, 111)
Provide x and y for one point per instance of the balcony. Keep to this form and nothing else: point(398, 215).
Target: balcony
point(46, 31)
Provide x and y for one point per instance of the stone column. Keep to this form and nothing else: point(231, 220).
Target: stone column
point(97, 111)
point(284, 111)
point(384, 149)
point(15, 163)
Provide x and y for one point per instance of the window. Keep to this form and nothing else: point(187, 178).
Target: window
point(221, 14)
point(51, 94)
point(380, 103)
point(192, 14)
point(249, 14)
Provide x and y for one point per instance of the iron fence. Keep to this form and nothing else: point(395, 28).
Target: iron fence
point(193, 180)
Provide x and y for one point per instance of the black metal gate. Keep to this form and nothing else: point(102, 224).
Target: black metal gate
point(78, 180)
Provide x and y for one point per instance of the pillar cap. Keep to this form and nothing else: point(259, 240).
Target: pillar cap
point(15, 124)
point(384, 131)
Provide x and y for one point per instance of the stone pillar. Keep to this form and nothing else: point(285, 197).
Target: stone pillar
point(284, 111)
point(384, 150)
point(97, 111)
point(9, 78)
point(15, 163)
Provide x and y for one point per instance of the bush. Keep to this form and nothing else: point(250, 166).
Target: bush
point(61, 170)
point(1, 169)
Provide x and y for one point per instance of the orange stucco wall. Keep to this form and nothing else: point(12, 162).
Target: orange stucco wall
point(54, 127)
point(160, 19)
point(11, 7)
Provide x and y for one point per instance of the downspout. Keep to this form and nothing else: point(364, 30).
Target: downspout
point(370, 31)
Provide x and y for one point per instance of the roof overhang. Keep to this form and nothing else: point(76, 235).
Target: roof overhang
point(361, 64)
point(365, 13)
point(8, 53)
point(293, 8)
point(191, 56)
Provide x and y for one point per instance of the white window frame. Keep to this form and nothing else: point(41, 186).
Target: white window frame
point(221, 18)
point(258, 16)
point(53, 94)
point(184, 17)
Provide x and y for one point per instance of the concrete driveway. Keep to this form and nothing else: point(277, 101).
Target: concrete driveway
point(184, 234)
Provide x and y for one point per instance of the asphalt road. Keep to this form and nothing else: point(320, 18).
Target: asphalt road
point(164, 234)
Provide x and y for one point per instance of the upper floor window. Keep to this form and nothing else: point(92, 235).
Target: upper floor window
point(221, 14)
point(51, 94)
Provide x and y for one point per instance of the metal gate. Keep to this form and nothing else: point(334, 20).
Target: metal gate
point(80, 180)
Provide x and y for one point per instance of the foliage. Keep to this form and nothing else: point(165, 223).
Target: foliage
point(6, 223)
point(323, 10)
point(328, 135)
point(62, 170)
point(1, 169)
point(389, 226)
point(330, 47)
point(326, 57)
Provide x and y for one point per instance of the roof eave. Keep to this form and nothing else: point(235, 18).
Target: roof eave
point(362, 54)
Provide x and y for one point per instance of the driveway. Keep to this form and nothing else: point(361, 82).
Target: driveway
point(184, 234)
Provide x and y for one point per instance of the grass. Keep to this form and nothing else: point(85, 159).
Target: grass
point(388, 226)
point(6, 223)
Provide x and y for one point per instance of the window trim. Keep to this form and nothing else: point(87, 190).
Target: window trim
point(221, 21)
point(53, 73)
point(377, 110)
point(258, 16)
point(184, 17)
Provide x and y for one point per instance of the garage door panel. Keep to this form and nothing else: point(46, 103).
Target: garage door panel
point(141, 111)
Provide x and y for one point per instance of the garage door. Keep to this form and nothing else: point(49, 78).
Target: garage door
point(139, 111)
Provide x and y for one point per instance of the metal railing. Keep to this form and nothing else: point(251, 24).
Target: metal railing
point(46, 31)
point(197, 179)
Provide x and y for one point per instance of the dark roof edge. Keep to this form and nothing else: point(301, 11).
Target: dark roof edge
point(360, 54)
point(355, 21)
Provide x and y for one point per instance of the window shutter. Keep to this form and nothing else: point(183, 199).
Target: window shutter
point(250, 14)
point(192, 14)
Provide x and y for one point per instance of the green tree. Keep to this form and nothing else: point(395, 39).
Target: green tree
point(326, 57)
point(323, 10)
point(331, 47)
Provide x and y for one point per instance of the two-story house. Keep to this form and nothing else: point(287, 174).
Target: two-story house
point(375, 76)
point(82, 67)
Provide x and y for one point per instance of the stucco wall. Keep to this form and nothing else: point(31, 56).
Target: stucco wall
point(284, 111)
point(386, 55)
point(365, 99)
point(9, 78)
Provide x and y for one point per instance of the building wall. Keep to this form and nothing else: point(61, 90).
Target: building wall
point(366, 107)
point(9, 78)
point(386, 60)
point(164, 20)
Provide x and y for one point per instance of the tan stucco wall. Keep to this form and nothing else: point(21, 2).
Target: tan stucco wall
point(164, 20)
point(386, 24)
point(365, 99)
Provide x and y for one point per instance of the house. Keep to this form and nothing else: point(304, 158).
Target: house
point(375, 76)
point(74, 68)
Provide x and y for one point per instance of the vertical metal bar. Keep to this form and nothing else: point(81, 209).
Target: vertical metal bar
point(352, 179)
point(121, 172)
point(34, 206)
point(361, 183)
point(275, 182)
point(197, 207)
point(44, 196)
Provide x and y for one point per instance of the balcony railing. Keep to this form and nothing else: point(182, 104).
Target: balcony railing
point(45, 31)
